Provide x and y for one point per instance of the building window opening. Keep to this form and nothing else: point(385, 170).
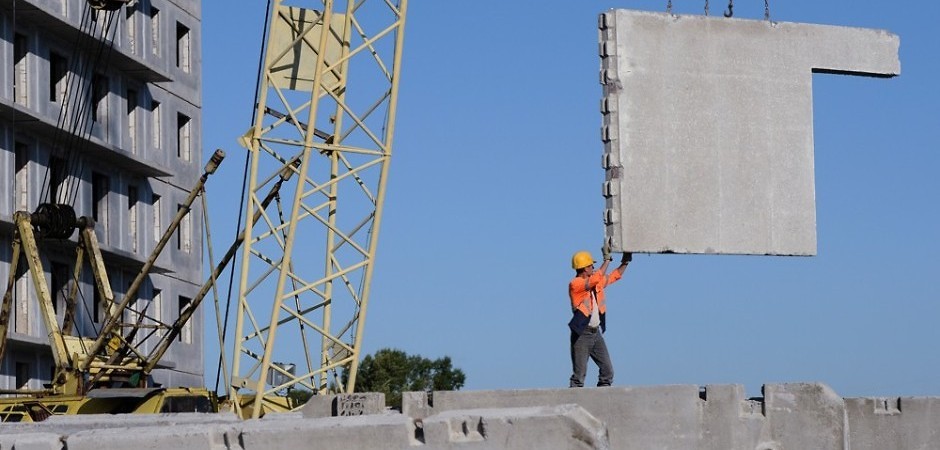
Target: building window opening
point(155, 30)
point(157, 218)
point(183, 137)
point(100, 187)
point(186, 334)
point(57, 172)
point(130, 20)
point(60, 285)
point(156, 125)
point(156, 310)
point(184, 234)
point(20, 300)
point(99, 98)
point(182, 47)
point(21, 69)
point(21, 177)
point(132, 104)
point(22, 375)
point(58, 71)
point(132, 216)
point(96, 305)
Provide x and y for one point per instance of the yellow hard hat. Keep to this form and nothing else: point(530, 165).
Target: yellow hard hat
point(581, 260)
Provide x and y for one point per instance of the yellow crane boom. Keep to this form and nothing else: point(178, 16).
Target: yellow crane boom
point(326, 115)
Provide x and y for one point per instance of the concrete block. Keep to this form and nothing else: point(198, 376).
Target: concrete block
point(67, 425)
point(32, 441)
point(803, 415)
point(215, 437)
point(384, 431)
point(358, 404)
point(318, 406)
point(561, 427)
point(893, 423)
point(416, 405)
point(662, 417)
point(707, 128)
point(731, 421)
point(355, 404)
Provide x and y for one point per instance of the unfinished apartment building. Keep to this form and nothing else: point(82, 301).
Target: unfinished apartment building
point(100, 110)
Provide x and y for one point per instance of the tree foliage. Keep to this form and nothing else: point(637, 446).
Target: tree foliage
point(392, 371)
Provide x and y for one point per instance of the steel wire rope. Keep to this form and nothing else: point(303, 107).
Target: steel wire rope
point(76, 118)
point(63, 107)
point(102, 58)
point(75, 89)
point(72, 117)
point(241, 206)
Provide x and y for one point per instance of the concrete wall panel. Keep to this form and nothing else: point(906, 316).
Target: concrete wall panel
point(893, 423)
point(720, 417)
point(34, 441)
point(391, 431)
point(708, 128)
point(664, 417)
point(562, 427)
point(180, 436)
point(803, 415)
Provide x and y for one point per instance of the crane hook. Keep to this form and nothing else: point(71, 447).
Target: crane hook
point(730, 11)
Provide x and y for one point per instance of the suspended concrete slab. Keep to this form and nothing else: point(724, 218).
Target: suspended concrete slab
point(708, 128)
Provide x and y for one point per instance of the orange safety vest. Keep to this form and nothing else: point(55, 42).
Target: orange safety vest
point(580, 289)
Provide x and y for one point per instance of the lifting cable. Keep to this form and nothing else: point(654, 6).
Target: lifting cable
point(241, 206)
point(74, 125)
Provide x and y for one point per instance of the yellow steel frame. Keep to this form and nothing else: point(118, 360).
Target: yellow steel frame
point(323, 127)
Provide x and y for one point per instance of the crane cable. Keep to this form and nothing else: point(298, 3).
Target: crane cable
point(72, 129)
point(241, 207)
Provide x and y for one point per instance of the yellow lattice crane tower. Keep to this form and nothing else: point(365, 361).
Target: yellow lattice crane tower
point(319, 158)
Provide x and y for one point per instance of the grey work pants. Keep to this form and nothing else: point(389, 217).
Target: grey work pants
point(590, 343)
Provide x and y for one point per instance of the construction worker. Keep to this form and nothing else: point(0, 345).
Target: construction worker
point(588, 308)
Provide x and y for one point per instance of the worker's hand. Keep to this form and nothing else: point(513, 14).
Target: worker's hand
point(605, 251)
point(627, 257)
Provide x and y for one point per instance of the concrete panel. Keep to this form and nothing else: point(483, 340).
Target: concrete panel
point(560, 427)
point(803, 415)
point(789, 416)
point(708, 128)
point(385, 431)
point(214, 437)
point(356, 404)
point(34, 441)
point(730, 420)
point(893, 423)
point(641, 418)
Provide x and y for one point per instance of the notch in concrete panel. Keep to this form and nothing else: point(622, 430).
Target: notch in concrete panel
point(888, 406)
point(695, 179)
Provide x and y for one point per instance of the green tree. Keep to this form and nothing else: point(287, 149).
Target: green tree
point(392, 371)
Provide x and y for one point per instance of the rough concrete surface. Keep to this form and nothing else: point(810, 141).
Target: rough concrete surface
point(792, 416)
point(708, 128)
point(893, 423)
point(559, 427)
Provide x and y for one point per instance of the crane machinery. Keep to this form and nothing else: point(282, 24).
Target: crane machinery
point(319, 157)
point(316, 171)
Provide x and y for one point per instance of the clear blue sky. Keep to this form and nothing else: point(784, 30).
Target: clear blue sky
point(495, 182)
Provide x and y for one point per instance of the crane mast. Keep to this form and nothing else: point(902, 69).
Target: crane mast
point(321, 142)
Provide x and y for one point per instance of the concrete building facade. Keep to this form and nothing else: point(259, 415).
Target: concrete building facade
point(124, 120)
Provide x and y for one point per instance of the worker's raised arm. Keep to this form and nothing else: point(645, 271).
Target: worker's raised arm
point(605, 252)
point(624, 261)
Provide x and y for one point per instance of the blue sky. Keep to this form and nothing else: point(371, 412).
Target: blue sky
point(495, 182)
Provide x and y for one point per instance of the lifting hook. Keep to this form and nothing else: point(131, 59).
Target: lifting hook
point(730, 11)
